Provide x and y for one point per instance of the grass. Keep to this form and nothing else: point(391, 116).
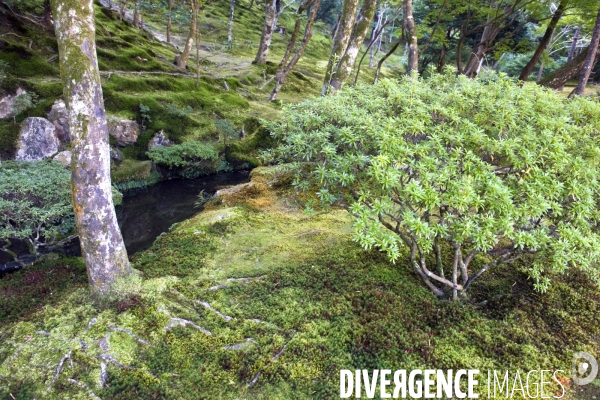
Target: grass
point(294, 285)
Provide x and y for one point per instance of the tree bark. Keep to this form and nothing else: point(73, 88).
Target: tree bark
point(340, 40)
point(543, 43)
point(590, 60)
point(169, 20)
point(267, 32)
point(95, 219)
point(411, 32)
point(344, 68)
point(185, 55)
point(136, 13)
point(567, 72)
point(283, 73)
point(230, 25)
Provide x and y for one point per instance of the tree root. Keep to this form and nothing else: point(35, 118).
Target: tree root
point(184, 322)
point(127, 331)
point(239, 346)
point(58, 369)
point(240, 280)
point(209, 307)
point(275, 357)
point(84, 387)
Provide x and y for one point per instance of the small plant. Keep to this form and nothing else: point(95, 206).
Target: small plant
point(226, 130)
point(203, 198)
point(23, 102)
point(145, 115)
point(176, 111)
point(192, 159)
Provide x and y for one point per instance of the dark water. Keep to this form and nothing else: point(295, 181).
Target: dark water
point(146, 213)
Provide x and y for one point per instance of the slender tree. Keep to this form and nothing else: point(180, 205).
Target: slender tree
point(284, 70)
point(411, 33)
point(185, 54)
point(346, 63)
point(340, 40)
point(136, 13)
point(169, 20)
point(590, 60)
point(267, 32)
point(230, 24)
point(95, 219)
point(527, 69)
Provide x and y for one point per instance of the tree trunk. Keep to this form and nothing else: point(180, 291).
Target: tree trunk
point(411, 32)
point(344, 68)
point(267, 32)
point(282, 75)
point(185, 55)
point(590, 60)
point(571, 52)
point(95, 219)
point(136, 13)
point(340, 40)
point(375, 36)
point(169, 21)
point(48, 15)
point(380, 63)
point(230, 26)
point(567, 72)
point(543, 43)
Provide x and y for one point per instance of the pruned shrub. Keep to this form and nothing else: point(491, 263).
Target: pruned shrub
point(462, 175)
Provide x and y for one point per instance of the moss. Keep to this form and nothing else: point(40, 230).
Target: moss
point(9, 133)
point(130, 170)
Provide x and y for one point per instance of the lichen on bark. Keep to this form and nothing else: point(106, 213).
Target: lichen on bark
point(101, 241)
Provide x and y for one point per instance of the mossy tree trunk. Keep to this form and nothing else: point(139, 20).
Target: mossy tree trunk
point(346, 63)
point(570, 70)
point(411, 33)
point(267, 32)
point(185, 54)
point(590, 60)
point(340, 40)
point(95, 219)
point(543, 43)
point(230, 25)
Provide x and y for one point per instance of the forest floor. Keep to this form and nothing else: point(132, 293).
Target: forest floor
point(254, 299)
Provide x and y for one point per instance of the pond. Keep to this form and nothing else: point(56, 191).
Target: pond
point(146, 213)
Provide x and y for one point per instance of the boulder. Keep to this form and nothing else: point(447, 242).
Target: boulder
point(125, 131)
point(6, 104)
point(37, 140)
point(64, 157)
point(59, 118)
point(115, 154)
point(159, 140)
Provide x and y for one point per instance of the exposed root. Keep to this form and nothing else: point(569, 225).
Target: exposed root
point(209, 307)
point(280, 353)
point(184, 322)
point(84, 387)
point(240, 280)
point(254, 380)
point(89, 325)
point(127, 331)
point(275, 357)
point(110, 358)
point(103, 374)
point(58, 369)
point(240, 346)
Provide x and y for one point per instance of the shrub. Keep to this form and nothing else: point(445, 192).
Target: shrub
point(191, 159)
point(464, 174)
point(35, 204)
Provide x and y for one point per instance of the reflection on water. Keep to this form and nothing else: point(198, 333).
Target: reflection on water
point(146, 213)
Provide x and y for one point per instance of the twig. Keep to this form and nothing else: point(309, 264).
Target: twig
point(184, 322)
point(127, 331)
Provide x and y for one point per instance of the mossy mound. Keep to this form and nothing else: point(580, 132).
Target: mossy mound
point(254, 299)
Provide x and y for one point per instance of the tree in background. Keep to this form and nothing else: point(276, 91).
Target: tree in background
point(590, 59)
point(95, 219)
point(185, 54)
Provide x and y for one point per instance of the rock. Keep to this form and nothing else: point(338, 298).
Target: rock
point(59, 118)
point(159, 140)
point(37, 140)
point(115, 154)
point(64, 157)
point(124, 131)
point(6, 104)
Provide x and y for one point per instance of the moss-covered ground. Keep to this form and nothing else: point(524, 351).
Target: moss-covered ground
point(253, 299)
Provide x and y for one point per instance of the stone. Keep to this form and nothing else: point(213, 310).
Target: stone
point(159, 140)
point(125, 131)
point(37, 140)
point(59, 118)
point(64, 157)
point(6, 104)
point(115, 154)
